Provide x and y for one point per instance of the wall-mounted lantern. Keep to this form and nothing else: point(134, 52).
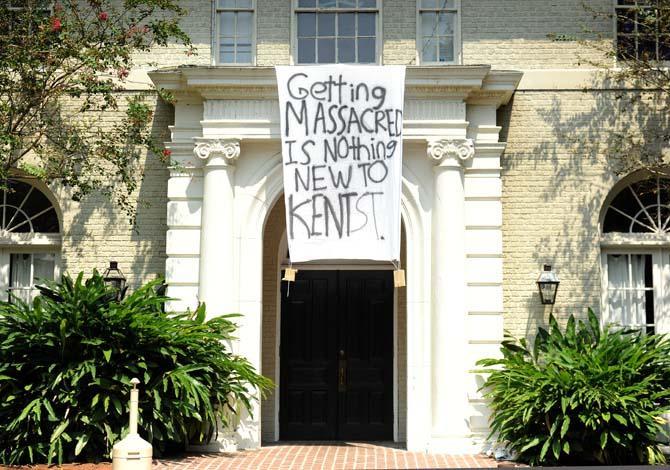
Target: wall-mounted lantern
point(548, 283)
point(115, 279)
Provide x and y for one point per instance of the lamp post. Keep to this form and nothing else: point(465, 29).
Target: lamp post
point(115, 279)
point(548, 283)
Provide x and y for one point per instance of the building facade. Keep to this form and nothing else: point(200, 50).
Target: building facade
point(506, 168)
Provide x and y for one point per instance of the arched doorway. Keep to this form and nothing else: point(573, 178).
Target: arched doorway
point(274, 259)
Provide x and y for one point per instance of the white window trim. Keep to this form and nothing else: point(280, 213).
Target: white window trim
point(661, 289)
point(5, 256)
point(216, 35)
point(458, 40)
point(379, 43)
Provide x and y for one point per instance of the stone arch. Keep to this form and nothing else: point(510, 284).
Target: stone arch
point(415, 220)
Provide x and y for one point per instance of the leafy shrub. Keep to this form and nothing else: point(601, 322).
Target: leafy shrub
point(67, 360)
point(583, 396)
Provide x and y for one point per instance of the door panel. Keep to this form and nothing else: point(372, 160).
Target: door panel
point(366, 338)
point(337, 356)
point(308, 408)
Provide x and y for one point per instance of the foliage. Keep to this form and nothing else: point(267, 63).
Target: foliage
point(66, 365)
point(585, 395)
point(61, 67)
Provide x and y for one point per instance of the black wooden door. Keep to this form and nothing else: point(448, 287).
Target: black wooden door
point(337, 356)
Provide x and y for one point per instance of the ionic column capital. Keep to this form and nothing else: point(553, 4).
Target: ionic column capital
point(217, 152)
point(447, 152)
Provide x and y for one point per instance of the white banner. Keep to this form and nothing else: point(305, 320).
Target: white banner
point(341, 128)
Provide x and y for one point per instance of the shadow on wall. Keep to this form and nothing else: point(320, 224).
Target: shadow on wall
point(565, 151)
point(97, 231)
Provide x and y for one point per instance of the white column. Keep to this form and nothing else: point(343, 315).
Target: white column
point(448, 322)
point(216, 280)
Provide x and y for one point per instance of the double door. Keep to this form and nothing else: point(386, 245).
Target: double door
point(336, 380)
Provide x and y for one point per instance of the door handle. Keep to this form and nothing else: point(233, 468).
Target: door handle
point(342, 373)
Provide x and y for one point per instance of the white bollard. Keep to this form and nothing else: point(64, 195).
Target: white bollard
point(133, 452)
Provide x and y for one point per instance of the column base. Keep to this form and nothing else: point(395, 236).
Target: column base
point(245, 436)
point(457, 445)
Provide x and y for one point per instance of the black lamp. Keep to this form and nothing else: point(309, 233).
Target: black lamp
point(115, 279)
point(548, 283)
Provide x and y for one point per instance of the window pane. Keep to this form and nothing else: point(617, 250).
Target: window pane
point(646, 47)
point(438, 4)
point(244, 24)
point(367, 24)
point(19, 268)
point(306, 24)
point(367, 3)
point(226, 3)
point(243, 53)
point(227, 51)
point(326, 24)
point(227, 22)
point(446, 49)
point(446, 25)
point(626, 47)
point(306, 51)
point(346, 50)
point(664, 48)
point(346, 24)
point(326, 3)
point(307, 3)
point(429, 49)
point(428, 24)
point(244, 3)
point(366, 50)
point(646, 21)
point(43, 267)
point(326, 51)
point(626, 21)
point(346, 3)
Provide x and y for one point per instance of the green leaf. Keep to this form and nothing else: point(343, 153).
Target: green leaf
point(565, 426)
point(603, 440)
point(545, 449)
point(108, 354)
point(530, 445)
point(82, 440)
point(59, 430)
point(566, 447)
point(620, 419)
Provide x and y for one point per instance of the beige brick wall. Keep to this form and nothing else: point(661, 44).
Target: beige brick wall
point(513, 34)
point(96, 231)
point(274, 229)
point(557, 170)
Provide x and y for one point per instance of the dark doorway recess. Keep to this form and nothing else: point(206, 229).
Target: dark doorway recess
point(336, 351)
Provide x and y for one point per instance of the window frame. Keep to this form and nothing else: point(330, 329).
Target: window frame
point(5, 264)
point(615, 34)
point(215, 45)
point(458, 51)
point(661, 283)
point(379, 37)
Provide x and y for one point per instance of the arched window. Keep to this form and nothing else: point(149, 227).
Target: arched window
point(29, 240)
point(636, 254)
point(641, 207)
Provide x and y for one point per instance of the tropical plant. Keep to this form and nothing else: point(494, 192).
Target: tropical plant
point(585, 395)
point(66, 362)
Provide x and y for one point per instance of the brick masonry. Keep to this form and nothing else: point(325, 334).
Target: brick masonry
point(330, 456)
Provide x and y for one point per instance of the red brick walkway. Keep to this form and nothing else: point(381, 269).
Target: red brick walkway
point(329, 456)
